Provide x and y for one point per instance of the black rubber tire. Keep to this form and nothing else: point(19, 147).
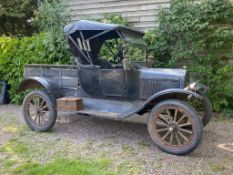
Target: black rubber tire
point(208, 110)
point(188, 110)
point(52, 111)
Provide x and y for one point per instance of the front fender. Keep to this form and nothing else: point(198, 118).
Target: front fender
point(40, 82)
point(174, 93)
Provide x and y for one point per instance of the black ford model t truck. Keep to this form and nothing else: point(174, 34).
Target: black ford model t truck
point(117, 89)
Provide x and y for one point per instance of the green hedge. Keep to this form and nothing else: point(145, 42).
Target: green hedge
point(16, 52)
point(50, 46)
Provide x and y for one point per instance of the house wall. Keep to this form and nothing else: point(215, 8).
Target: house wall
point(141, 13)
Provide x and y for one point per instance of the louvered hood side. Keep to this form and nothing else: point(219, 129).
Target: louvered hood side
point(155, 80)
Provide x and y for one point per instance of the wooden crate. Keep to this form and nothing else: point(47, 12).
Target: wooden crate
point(69, 104)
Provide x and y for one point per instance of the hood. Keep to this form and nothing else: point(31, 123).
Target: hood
point(163, 73)
point(153, 80)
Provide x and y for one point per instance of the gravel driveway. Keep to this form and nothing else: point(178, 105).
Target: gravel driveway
point(128, 144)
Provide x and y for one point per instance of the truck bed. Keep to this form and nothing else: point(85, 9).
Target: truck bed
point(64, 76)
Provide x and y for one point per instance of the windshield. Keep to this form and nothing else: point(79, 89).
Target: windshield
point(134, 39)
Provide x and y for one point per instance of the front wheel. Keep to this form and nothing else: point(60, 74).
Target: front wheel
point(39, 111)
point(203, 107)
point(175, 127)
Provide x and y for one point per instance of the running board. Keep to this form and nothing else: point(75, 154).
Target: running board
point(107, 108)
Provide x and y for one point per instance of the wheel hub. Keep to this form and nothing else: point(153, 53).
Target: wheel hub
point(38, 112)
point(172, 127)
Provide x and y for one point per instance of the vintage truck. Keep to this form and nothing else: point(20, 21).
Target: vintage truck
point(98, 87)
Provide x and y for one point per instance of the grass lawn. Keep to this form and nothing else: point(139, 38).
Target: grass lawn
point(20, 158)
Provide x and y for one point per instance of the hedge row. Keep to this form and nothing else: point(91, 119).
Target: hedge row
point(16, 52)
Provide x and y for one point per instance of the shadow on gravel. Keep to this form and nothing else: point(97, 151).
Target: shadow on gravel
point(99, 129)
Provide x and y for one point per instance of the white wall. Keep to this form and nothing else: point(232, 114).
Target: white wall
point(139, 12)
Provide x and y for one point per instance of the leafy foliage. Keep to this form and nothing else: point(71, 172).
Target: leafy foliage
point(51, 17)
point(16, 17)
point(198, 34)
point(115, 19)
point(48, 47)
point(14, 54)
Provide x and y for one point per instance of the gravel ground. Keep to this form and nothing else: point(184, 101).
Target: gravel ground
point(129, 145)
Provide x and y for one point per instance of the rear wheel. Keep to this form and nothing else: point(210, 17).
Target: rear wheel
point(39, 111)
point(175, 127)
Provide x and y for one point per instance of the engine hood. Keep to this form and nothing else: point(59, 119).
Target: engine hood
point(153, 80)
point(162, 73)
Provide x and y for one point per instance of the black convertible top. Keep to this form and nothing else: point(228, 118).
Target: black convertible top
point(87, 37)
point(83, 25)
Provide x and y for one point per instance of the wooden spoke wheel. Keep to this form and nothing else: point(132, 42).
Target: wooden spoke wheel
point(39, 111)
point(175, 127)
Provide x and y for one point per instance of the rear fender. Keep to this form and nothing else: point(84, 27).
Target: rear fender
point(180, 94)
point(39, 82)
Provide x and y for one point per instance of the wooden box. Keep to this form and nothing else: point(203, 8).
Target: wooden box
point(69, 104)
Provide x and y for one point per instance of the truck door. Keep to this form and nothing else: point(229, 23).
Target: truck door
point(112, 82)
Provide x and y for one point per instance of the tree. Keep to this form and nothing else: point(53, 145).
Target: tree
point(16, 17)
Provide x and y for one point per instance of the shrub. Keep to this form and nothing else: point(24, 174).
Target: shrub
point(115, 19)
point(51, 18)
point(48, 47)
point(14, 54)
point(200, 33)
